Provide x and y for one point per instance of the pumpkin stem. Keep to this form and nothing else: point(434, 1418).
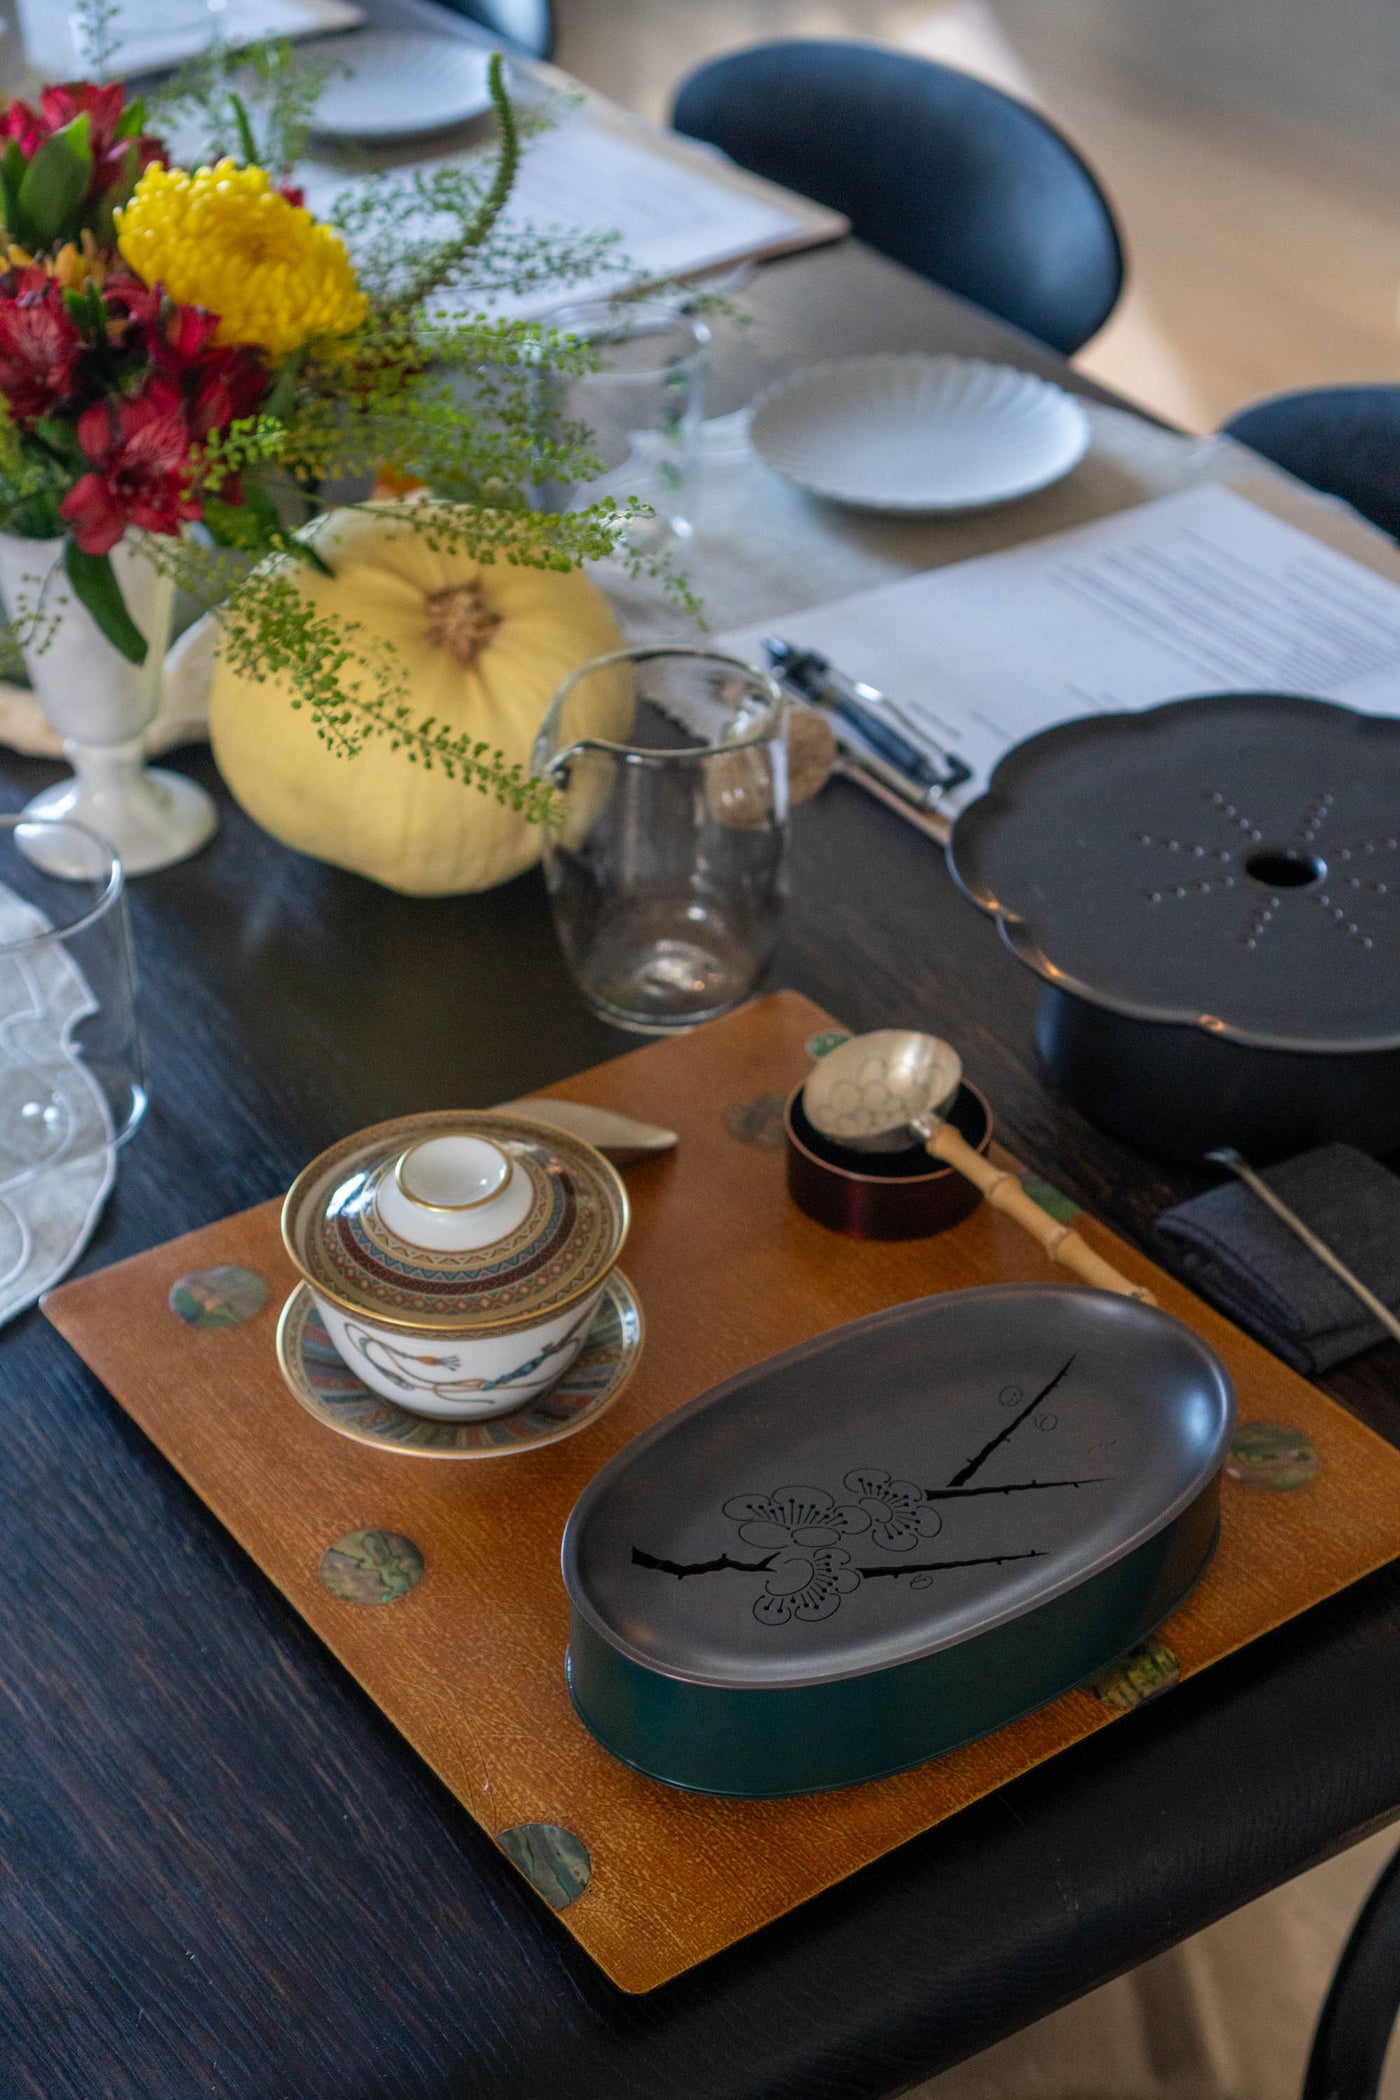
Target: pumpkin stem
point(460, 621)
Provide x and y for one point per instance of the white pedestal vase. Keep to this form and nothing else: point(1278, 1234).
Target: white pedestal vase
point(101, 704)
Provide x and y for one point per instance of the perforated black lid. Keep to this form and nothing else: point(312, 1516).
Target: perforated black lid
point(1230, 862)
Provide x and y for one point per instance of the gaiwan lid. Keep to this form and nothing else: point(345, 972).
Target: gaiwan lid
point(1231, 863)
point(458, 1221)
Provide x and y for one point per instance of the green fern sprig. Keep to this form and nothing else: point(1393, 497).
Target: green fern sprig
point(95, 27)
point(479, 228)
point(252, 103)
point(413, 238)
point(356, 689)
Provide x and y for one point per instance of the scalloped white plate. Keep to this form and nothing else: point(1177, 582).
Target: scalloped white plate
point(392, 84)
point(916, 433)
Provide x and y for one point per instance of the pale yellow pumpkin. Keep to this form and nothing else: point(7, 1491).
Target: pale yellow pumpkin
point(483, 645)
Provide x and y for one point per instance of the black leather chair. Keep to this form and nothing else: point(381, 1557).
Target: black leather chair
point(1354, 2030)
point(520, 25)
point(944, 173)
point(1344, 440)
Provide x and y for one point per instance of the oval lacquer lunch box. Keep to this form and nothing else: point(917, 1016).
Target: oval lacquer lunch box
point(894, 1538)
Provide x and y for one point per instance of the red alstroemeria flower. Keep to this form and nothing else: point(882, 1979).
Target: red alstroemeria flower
point(39, 345)
point(130, 302)
point(226, 386)
point(140, 453)
point(219, 384)
point(117, 164)
point(180, 336)
point(113, 164)
point(142, 317)
point(23, 124)
point(226, 392)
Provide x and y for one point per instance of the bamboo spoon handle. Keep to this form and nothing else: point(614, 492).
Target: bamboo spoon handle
point(1004, 1192)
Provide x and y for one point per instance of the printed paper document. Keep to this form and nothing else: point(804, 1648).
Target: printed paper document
point(1194, 593)
point(673, 217)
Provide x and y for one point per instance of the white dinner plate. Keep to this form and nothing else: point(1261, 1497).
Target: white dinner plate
point(916, 433)
point(391, 84)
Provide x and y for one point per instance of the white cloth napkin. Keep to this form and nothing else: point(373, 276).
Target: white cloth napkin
point(56, 1168)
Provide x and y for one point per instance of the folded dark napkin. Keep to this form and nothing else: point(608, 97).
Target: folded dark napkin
point(1229, 1246)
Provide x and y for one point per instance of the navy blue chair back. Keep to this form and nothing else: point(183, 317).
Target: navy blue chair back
point(1354, 2030)
point(944, 173)
point(1344, 440)
point(520, 25)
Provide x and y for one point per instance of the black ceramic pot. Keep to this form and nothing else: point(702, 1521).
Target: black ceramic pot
point(1210, 891)
point(1177, 1092)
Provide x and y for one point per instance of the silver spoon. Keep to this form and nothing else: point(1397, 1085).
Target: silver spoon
point(623, 1138)
point(878, 1092)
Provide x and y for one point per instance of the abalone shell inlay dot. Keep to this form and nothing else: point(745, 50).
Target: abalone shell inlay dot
point(1144, 1674)
point(554, 1862)
point(371, 1567)
point(757, 1122)
point(1267, 1455)
point(224, 1296)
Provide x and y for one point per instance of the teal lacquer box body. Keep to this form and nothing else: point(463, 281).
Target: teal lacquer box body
point(895, 1538)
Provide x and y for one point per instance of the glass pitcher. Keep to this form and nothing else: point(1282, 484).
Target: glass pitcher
point(665, 859)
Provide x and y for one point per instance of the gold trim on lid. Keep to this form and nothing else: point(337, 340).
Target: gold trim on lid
point(357, 1154)
point(452, 1209)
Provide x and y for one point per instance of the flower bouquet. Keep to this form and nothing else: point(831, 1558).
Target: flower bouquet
point(191, 362)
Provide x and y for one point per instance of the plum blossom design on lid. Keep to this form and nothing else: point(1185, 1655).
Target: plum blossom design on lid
point(805, 1585)
point(798, 1531)
point(795, 1516)
point(898, 1510)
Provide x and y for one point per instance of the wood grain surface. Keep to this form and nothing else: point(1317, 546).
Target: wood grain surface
point(469, 1666)
point(223, 1871)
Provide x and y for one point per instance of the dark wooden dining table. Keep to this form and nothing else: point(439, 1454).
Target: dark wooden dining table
point(222, 1872)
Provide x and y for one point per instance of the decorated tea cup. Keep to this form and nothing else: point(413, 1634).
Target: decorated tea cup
point(457, 1259)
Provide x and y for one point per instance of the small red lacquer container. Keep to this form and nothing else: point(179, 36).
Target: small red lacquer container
point(882, 1195)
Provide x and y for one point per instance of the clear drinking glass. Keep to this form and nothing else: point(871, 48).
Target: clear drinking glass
point(72, 1076)
point(642, 408)
point(666, 867)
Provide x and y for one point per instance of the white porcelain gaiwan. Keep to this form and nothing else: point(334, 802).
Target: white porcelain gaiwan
point(457, 1259)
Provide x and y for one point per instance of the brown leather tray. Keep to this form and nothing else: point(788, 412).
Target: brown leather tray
point(469, 1664)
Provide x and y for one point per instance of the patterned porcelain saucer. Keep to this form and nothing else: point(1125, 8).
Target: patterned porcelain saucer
point(330, 1391)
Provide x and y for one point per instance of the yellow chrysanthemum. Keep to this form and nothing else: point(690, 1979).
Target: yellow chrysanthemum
point(225, 239)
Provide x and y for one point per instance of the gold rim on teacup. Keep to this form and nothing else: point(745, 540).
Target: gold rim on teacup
point(370, 1155)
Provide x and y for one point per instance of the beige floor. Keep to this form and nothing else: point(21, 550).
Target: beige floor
point(1250, 147)
point(1226, 2016)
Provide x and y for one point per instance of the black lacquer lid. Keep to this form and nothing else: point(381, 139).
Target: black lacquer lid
point(1230, 862)
point(898, 1486)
